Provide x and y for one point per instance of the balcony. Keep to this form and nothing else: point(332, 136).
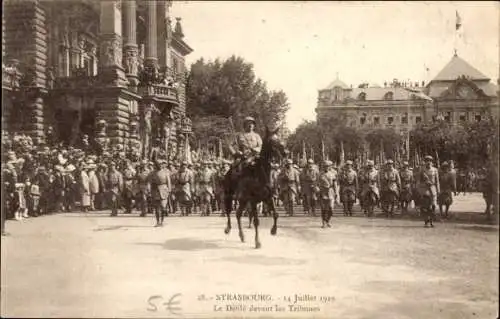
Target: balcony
point(160, 92)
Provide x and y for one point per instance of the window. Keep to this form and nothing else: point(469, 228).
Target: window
point(389, 96)
point(376, 120)
point(477, 118)
point(404, 119)
point(418, 119)
point(463, 118)
point(390, 120)
point(362, 120)
point(362, 96)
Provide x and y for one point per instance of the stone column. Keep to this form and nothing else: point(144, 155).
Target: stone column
point(162, 33)
point(130, 49)
point(110, 62)
point(151, 58)
point(111, 106)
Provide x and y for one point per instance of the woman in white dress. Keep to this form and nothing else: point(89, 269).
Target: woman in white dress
point(85, 188)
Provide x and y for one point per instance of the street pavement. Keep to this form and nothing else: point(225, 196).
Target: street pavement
point(93, 265)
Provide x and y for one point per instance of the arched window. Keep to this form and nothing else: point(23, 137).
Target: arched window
point(362, 96)
point(389, 96)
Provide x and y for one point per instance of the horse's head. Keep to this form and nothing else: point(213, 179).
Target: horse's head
point(272, 147)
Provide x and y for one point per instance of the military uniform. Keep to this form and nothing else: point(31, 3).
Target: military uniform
point(205, 190)
point(310, 189)
point(115, 186)
point(348, 185)
point(429, 181)
point(391, 183)
point(327, 189)
point(289, 187)
point(185, 181)
point(407, 184)
point(448, 185)
point(371, 183)
point(144, 189)
point(160, 192)
point(128, 188)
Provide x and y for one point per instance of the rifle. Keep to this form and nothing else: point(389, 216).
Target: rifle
point(233, 135)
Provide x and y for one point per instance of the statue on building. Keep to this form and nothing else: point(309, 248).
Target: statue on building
point(51, 77)
point(146, 133)
point(131, 62)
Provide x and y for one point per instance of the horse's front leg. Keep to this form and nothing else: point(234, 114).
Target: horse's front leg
point(255, 215)
point(239, 213)
point(272, 208)
point(228, 205)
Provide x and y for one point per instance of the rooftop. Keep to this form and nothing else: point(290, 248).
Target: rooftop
point(458, 67)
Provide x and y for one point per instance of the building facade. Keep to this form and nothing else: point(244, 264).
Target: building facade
point(112, 70)
point(458, 93)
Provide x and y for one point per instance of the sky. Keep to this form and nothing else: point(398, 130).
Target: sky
point(301, 46)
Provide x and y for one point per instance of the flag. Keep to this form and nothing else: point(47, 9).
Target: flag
point(304, 154)
point(458, 22)
point(342, 153)
point(323, 156)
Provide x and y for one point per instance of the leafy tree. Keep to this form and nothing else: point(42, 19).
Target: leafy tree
point(230, 89)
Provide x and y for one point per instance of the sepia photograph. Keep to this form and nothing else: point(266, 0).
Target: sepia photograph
point(250, 159)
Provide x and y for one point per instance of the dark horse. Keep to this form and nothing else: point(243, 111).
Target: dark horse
point(253, 185)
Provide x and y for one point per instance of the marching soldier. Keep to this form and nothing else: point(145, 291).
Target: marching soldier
point(144, 187)
point(289, 186)
point(371, 184)
point(348, 180)
point(391, 185)
point(174, 169)
point(448, 184)
point(115, 186)
point(160, 190)
point(429, 180)
point(205, 189)
point(407, 185)
point(185, 182)
point(327, 190)
point(309, 187)
point(129, 174)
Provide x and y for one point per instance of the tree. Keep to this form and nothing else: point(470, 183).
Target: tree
point(230, 89)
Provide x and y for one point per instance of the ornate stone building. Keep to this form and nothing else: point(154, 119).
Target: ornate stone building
point(458, 93)
point(112, 70)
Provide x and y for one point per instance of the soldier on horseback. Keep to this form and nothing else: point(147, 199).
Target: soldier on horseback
point(249, 144)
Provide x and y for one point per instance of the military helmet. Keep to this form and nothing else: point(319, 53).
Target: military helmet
point(328, 163)
point(445, 164)
point(348, 162)
point(369, 163)
point(389, 162)
point(428, 158)
point(249, 119)
point(289, 161)
point(310, 161)
point(405, 163)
